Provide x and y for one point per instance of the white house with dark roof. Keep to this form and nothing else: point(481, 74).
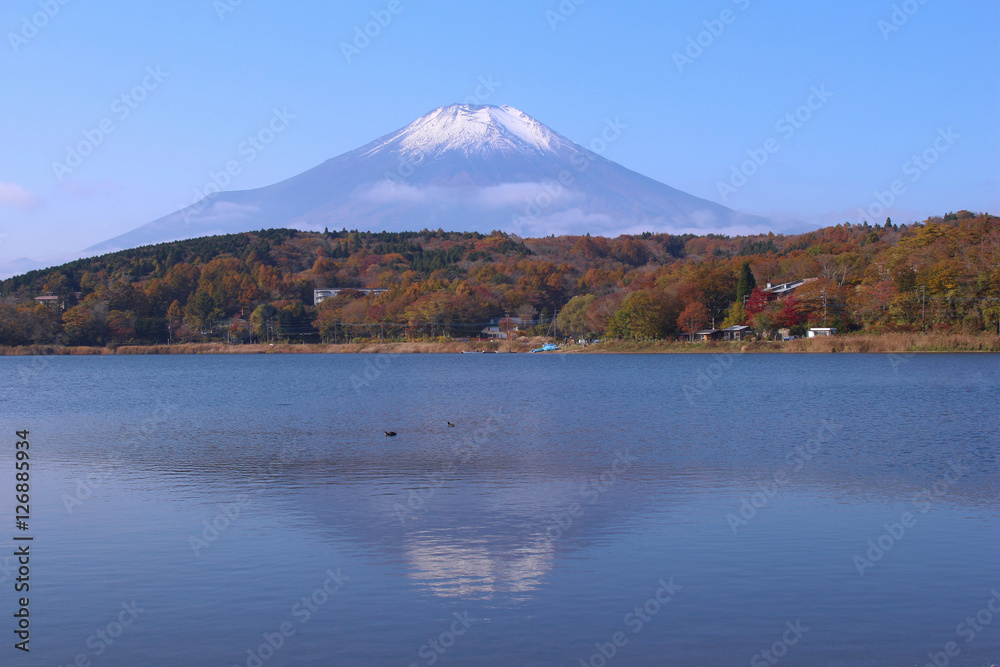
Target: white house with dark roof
point(320, 295)
point(498, 327)
point(784, 289)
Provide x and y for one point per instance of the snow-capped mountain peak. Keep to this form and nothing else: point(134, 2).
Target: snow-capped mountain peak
point(472, 129)
point(466, 167)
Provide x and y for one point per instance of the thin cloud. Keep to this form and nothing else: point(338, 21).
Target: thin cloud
point(16, 196)
point(524, 194)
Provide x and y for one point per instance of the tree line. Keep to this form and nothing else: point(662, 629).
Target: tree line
point(942, 274)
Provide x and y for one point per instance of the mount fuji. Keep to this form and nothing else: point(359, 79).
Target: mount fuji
point(460, 167)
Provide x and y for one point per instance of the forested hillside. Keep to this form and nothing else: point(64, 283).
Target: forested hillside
point(943, 274)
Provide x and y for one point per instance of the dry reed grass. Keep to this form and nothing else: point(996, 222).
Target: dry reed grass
point(867, 343)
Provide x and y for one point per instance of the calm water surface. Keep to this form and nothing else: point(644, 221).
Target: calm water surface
point(698, 509)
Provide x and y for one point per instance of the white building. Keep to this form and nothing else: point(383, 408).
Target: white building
point(498, 327)
point(815, 332)
point(320, 295)
point(784, 289)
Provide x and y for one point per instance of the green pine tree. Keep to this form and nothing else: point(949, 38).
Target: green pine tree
point(746, 284)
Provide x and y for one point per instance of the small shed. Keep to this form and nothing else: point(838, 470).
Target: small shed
point(708, 334)
point(815, 332)
point(737, 332)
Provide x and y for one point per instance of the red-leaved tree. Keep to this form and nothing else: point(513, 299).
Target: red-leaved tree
point(792, 313)
point(757, 302)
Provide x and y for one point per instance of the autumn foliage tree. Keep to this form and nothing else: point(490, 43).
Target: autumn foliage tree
point(942, 275)
point(643, 315)
point(792, 314)
point(573, 317)
point(757, 302)
point(693, 318)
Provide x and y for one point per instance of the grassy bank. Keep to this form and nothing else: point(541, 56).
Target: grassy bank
point(883, 343)
point(417, 347)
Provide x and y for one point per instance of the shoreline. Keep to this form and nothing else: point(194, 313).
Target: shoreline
point(896, 343)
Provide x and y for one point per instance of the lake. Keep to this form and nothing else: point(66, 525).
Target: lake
point(583, 509)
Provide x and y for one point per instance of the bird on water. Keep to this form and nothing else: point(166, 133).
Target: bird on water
point(450, 424)
point(389, 434)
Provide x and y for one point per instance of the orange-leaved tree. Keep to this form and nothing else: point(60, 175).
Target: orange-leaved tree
point(693, 317)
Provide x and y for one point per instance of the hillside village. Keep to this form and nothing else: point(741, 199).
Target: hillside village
point(939, 275)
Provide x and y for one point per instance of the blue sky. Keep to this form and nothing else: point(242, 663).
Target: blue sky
point(894, 80)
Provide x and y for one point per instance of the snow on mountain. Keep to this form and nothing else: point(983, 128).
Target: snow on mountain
point(471, 130)
point(460, 167)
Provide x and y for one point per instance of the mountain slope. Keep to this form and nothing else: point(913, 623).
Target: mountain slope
point(468, 167)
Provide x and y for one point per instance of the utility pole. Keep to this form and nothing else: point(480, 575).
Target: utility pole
point(553, 330)
point(923, 309)
point(824, 309)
